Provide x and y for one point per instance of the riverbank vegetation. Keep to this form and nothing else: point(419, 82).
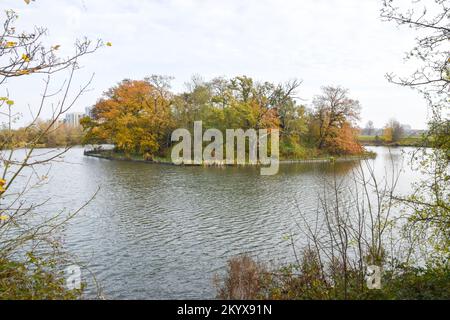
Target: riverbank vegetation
point(248, 279)
point(138, 116)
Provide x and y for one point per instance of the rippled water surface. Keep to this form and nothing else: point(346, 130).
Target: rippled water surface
point(160, 231)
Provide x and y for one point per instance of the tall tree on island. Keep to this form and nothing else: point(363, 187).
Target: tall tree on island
point(335, 115)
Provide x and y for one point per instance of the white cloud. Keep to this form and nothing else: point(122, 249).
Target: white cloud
point(320, 41)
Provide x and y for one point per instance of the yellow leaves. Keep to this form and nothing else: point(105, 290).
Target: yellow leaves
point(2, 186)
point(26, 57)
point(10, 44)
point(25, 71)
point(109, 44)
point(4, 217)
point(9, 103)
point(134, 124)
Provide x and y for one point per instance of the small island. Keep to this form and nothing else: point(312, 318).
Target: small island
point(139, 116)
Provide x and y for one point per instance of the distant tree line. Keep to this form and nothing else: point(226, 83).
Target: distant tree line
point(42, 134)
point(392, 132)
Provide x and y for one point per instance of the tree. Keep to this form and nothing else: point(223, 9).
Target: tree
point(195, 104)
point(431, 54)
point(369, 130)
point(292, 116)
point(251, 104)
point(29, 253)
point(393, 131)
point(333, 111)
point(430, 218)
point(135, 116)
point(345, 141)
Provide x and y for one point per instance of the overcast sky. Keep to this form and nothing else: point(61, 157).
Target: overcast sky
point(322, 42)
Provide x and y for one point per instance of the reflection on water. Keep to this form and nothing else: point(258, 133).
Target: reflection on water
point(159, 231)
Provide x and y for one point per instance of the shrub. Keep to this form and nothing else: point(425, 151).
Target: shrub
point(35, 279)
point(249, 280)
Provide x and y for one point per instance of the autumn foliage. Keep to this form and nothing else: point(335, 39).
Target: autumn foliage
point(135, 116)
point(138, 116)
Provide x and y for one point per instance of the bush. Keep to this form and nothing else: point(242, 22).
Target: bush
point(250, 280)
point(35, 279)
point(244, 279)
point(431, 283)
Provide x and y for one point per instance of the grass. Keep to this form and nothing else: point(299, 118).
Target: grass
point(410, 141)
point(115, 155)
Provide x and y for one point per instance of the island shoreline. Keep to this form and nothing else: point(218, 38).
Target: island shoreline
point(106, 155)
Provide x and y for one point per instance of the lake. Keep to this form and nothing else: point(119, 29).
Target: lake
point(163, 232)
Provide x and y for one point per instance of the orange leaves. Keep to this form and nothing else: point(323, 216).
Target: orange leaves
point(10, 44)
point(2, 186)
point(343, 141)
point(135, 116)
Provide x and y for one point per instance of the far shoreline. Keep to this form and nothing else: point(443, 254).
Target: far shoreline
point(374, 141)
